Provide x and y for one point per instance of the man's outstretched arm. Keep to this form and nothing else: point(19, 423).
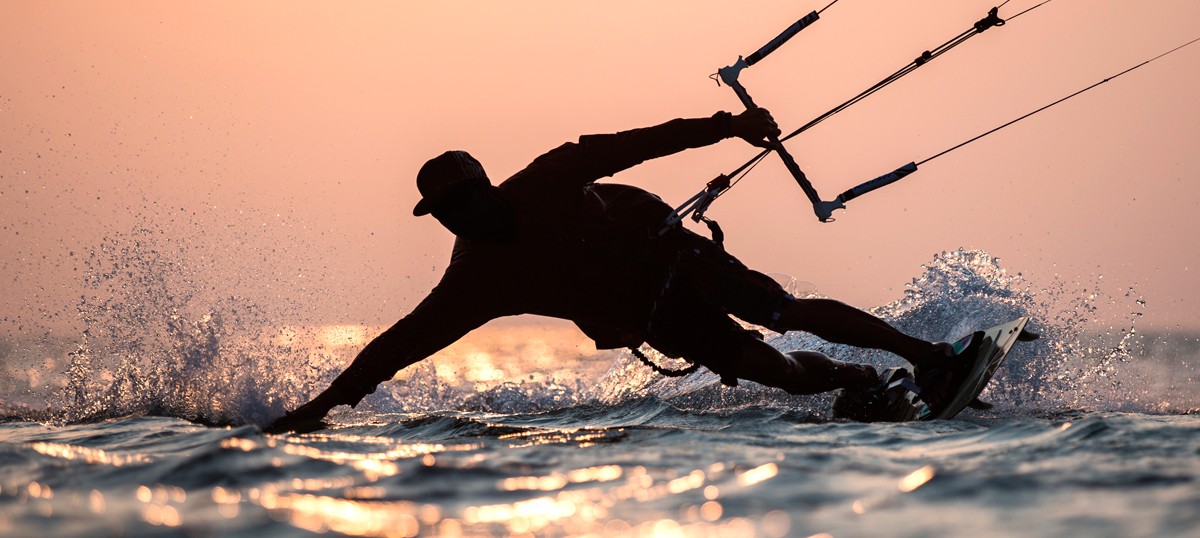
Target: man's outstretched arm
point(437, 322)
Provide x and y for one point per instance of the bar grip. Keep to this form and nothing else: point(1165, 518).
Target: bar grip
point(782, 38)
point(881, 181)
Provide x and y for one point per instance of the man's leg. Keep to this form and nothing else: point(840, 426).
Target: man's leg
point(800, 372)
point(840, 323)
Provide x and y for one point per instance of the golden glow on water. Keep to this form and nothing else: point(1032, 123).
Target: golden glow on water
point(583, 438)
point(758, 474)
point(364, 492)
point(373, 465)
point(557, 481)
point(532, 514)
point(229, 511)
point(317, 513)
point(227, 501)
point(40, 491)
point(492, 354)
point(486, 356)
point(164, 515)
point(221, 495)
point(598, 500)
point(776, 524)
point(237, 443)
point(604, 473)
point(572, 502)
point(96, 502)
point(693, 480)
point(544, 483)
point(159, 504)
point(88, 455)
point(916, 479)
point(858, 507)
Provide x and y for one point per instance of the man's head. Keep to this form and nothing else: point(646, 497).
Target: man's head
point(458, 193)
point(446, 179)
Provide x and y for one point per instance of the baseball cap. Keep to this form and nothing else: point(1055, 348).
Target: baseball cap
point(443, 176)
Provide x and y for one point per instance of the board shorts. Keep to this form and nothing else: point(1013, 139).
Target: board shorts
point(703, 286)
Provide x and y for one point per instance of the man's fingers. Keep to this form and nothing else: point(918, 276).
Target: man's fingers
point(760, 142)
point(766, 125)
point(756, 126)
point(295, 424)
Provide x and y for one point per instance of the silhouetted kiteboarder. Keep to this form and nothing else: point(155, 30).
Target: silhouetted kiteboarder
point(552, 241)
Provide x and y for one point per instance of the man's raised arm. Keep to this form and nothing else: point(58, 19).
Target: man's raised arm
point(602, 155)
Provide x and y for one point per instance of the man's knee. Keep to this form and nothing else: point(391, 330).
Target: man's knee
point(801, 314)
point(753, 297)
point(803, 357)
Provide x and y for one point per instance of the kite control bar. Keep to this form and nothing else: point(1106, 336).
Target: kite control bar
point(782, 38)
point(824, 209)
point(698, 204)
point(881, 181)
point(729, 75)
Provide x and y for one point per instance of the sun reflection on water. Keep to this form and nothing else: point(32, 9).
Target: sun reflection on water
point(373, 498)
point(916, 479)
point(555, 481)
point(598, 500)
point(87, 455)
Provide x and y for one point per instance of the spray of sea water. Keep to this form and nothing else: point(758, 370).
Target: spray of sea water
point(148, 422)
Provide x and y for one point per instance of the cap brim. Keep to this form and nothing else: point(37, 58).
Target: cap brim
point(423, 207)
point(427, 204)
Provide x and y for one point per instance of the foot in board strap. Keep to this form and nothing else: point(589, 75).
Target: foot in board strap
point(940, 373)
point(894, 399)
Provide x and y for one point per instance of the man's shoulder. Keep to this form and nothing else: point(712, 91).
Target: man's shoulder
point(549, 179)
point(545, 167)
point(620, 190)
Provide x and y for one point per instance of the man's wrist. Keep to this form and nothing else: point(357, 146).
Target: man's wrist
point(724, 124)
point(347, 393)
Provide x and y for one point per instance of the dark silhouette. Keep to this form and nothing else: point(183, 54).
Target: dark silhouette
point(551, 241)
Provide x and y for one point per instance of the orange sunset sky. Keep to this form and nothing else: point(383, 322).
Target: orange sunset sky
point(270, 147)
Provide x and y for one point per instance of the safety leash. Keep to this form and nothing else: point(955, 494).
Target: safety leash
point(660, 369)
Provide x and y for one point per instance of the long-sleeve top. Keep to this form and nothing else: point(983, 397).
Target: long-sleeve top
point(579, 254)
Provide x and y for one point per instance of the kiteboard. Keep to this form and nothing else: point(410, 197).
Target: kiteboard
point(900, 399)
